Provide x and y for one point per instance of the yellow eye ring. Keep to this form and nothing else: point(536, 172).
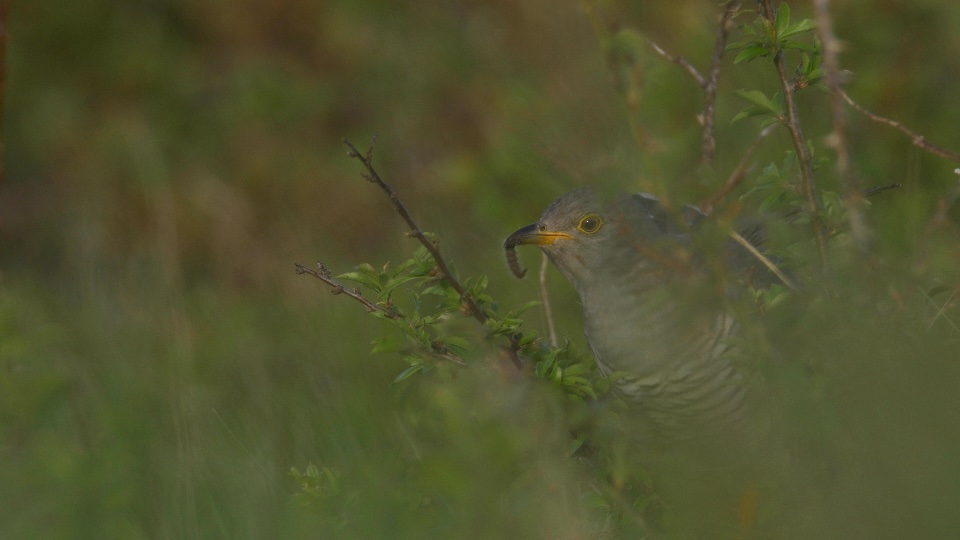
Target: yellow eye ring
point(590, 223)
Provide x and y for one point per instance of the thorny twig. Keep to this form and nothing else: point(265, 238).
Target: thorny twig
point(325, 276)
point(803, 154)
point(680, 61)
point(707, 84)
point(710, 85)
point(739, 173)
point(918, 140)
point(854, 198)
point(469, 304)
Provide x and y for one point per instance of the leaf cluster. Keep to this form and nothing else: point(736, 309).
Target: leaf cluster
point(431, 325)
point(766, 38)
point(322, 492)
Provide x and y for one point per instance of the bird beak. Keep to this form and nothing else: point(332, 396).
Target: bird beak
point(534, 234)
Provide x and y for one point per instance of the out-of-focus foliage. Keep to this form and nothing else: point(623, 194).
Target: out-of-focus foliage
point(162, 368)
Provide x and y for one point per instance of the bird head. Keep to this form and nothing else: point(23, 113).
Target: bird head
point(586, 237)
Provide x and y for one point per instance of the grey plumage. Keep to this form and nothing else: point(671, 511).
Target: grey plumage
point(637, 272)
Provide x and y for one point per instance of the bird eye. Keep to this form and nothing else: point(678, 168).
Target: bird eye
point(590, 224)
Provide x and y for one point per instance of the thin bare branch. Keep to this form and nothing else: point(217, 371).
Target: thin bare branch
point(469, 304)
point(918, 140)
point(803, 154)
point(415, 230)
point(739, 173)
point(853, 196)
point(707, 84)
point(710, 85)
point(324, 275)
point(763, 259)
point(709, 116)
point(680, 61)
point(545, 299)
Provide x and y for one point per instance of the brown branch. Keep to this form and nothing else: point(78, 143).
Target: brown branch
point(803, 155)
point(738, 238)
point(854, 197)
point(680, 61)
point(415, 230)
point(739, 173)
point(324, 275)
point(707, 84)
point(918, 140)
point(469, 304)
point(710, 85)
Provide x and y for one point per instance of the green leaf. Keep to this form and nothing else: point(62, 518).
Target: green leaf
point(502, 326)
point(803, 26)
point(772, 171)
point(527, 339)
point(388, 344)
point(768, 121)
point(738, 45)
point(760, 99)
point(423, 338)
point(751, 51)
point(393, 283)
point(483, 299)
point(749, 112)
point(797, 46)
point(481, 285)
point(815, 75)
point(579, 386)
point(782, 19)
point(770, 201)
point(364, 275)
point(577, 369)
point(408, 372)
point(525, 307)
point(456, 344)
point(548, 365)
point(440, 289)
point(556, 375)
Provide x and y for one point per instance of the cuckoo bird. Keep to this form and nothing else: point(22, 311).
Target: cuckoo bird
point(632, 262)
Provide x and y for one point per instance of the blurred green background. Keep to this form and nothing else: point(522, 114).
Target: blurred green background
point(167, 161)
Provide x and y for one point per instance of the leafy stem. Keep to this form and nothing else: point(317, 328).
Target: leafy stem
point(467, 300)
